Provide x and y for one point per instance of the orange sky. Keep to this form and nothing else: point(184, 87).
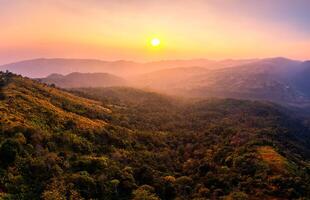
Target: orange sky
point(120, 29)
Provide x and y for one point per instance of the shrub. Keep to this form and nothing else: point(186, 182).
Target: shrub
point(9, 151)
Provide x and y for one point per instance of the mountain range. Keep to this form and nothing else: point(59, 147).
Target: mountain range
point(276, 79)
point(43, 67)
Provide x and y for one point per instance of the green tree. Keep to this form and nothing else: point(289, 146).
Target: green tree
point(143, 193)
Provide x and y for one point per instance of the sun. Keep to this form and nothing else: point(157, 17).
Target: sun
point(155, 42)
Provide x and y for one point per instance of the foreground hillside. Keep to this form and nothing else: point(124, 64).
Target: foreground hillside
point(132, 144)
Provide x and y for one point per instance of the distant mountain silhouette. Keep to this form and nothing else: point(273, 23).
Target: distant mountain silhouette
point(76, 80)
point(43, 67)
point(276, 79)
point(302, 79)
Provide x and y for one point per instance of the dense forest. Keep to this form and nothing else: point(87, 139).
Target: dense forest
point(124, 143)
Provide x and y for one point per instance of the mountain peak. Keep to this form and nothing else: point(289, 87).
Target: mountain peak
point(280, 60)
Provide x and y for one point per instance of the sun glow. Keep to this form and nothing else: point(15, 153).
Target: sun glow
point(155, 42)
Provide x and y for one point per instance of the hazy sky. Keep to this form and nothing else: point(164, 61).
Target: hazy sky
point(121, 29)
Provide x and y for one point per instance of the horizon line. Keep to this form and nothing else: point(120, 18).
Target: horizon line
point(148, 62)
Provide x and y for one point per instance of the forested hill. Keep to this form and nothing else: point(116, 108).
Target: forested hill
point(132, 144)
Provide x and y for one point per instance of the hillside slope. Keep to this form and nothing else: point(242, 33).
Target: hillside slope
point(214, 134)
point(128, 144)
point(32, 104)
